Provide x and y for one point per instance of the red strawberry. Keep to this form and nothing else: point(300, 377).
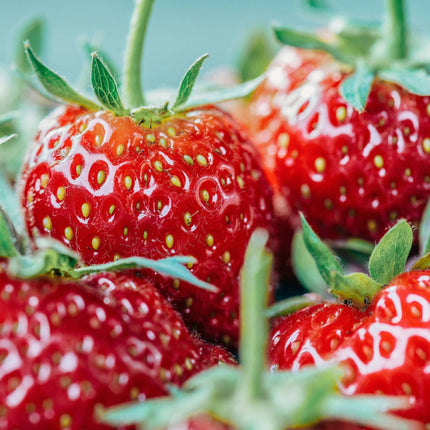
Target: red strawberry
point(346, 136)
point(384, 347)
point(153, 182)
point(66, 347)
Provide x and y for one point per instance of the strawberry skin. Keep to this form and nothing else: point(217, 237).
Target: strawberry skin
point(385, 349)
point(66, 347)
point(192, 185)
point(350, 173)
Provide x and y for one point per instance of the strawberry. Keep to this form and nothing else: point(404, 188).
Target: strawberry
point(179, 179)
point(383, 346)
point(249, 396)
point(68, 346)
point(345, 128)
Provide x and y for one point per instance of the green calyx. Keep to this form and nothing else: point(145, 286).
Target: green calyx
point(371, 51)
point(387, 260)
point(132, 101)
point(250, 397)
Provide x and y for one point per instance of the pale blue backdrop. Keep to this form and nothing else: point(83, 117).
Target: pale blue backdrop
point(180, 30)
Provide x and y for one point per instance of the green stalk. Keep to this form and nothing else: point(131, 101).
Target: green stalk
point(396, 29)
point(132, 83)
point(254, 329)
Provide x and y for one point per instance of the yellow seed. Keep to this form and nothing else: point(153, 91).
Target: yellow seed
point(426, 145)
point(169, 241)
point(240, 181)
point(159, 205)
point(378, 161)
point(158, 166)
point(294, 153)
point(120, 149)
point(306, 192)
point(342, 190)
point(134, 393)
point(328, 204)
point(95, 243)
point(320, 164)
point(428, 109)
point(116, 257)
point(101, 176)
point(85, 209)
point(341, 113)
point(163, 142)
point(44, 180)
point(283, 140)
point(408, 172)
point(78, 169)
point(47, 223)
point(128, 182)
point(188, 160)
point(201, 159)
point(188, 219)
point(176, 284)
point(98, 140)
point(209, 240)
point(150, 138)
point(68, 233)
point(344, 150)
point(145, 235)
point(125, 231)
point(226, 257)
point(205, 195)
point(171, 131)
point(111, 209)
point(65, 421)
point(61, 193)
point(372, 225)
point(175, 181)
point(82, 128)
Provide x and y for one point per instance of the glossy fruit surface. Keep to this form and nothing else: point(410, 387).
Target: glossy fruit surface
point(192, 185)
point(67, 347)
point(386, 348)
point(352, 174)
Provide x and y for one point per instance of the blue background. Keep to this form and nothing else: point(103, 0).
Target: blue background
point(179, 31)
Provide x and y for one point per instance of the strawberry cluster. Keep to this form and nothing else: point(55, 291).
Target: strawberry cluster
point(138, 255)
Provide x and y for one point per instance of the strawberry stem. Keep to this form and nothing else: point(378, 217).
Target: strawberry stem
point(396, 29)
point(254, 329)
point(132, 83)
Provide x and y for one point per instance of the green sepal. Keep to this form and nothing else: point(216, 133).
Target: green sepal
point(424, 231)
point(305, 268)
point(9, 241)
point(389, 257)
point(415, 81)
point(255, 56)
point(188, 82)
point(5, 139)
point(356, 88)
point(33, 32)
point(90, 47)
point(105, 87)
point(150, 115)
point(325, 260)
point(217, 95)
point(293, 304)
point(309, 41)
point(356, 289)
point(422, 263)
point(56, 85)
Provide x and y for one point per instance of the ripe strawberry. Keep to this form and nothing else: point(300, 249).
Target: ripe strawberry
point(153, 182)
point(66, 347)
point(346, 132)
point(384, 347)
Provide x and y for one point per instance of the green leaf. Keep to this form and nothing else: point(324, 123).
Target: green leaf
point(356, 289)
point(326, 262)
point(415, 81)
point(32, 32)
point(188, 82)
point(8, 237)
point(7, 138)
point(218, 95)
point(309, 41)
point(105, 87)
point(356, 88)
point(424, 231)
point(305, 268)
point(255, 56)
point(56, 85)
point(91, 47)
point(389, 257)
